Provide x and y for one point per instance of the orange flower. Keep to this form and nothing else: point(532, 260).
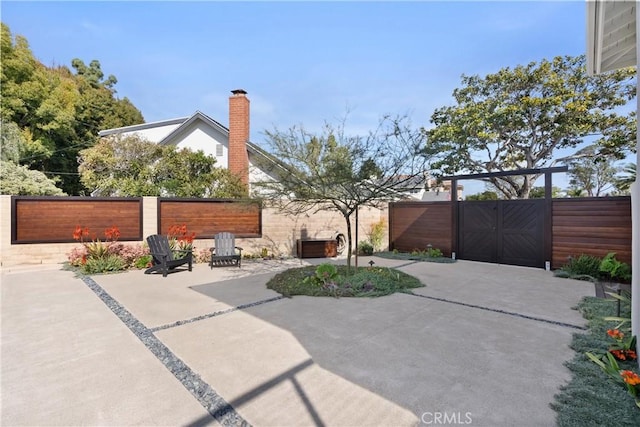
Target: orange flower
point(80, 232)
point(630, 377)
point(112, 233)
point(615, 334)
point(174, 230)
point(77, 233)
point(631, 354)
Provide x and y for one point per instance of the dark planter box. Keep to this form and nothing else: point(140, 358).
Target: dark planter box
point(316, 248)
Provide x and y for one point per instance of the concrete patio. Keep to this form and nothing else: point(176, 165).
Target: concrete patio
point(481, 344)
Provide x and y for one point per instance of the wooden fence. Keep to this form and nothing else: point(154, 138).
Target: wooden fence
point(413, 225)
point(53, 219)
point(207, 217)
point(593, 226)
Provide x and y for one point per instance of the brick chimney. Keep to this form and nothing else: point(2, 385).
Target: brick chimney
point(239, 134)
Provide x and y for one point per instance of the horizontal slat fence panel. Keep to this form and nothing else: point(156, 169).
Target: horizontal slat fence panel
point(414, 225)
point(591, 226)
point(206, 217)
point(54, 219)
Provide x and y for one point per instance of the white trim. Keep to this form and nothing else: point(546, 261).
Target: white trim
point(595, 17)
point(635, 222)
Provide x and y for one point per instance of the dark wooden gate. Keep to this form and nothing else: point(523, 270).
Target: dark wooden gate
point(502, 231)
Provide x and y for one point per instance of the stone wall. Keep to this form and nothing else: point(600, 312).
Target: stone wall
point(280, 232)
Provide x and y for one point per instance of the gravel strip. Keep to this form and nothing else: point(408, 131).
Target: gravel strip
point(214, 314)
point(219, 409)
point(496, 310)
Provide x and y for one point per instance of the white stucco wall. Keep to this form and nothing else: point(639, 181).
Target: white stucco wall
point(199, 136)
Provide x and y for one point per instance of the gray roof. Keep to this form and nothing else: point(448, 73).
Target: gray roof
point(198, 115)
point(142, 126)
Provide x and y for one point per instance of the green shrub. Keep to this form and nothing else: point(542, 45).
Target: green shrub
point(323, 275)
point(365, 248)
point(97, 249)
point(584, 267)
point(612, 269)
point(105, 264)
point(417, 255)
point(590, 398)
point(362, 282)
point(433, 252)
point(376, 235)
point(142, 262)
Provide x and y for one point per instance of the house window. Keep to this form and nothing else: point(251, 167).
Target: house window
point(219, 150)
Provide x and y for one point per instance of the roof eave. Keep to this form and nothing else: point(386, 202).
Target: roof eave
point(611, 35)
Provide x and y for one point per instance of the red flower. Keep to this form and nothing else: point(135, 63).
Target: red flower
point(618, 354)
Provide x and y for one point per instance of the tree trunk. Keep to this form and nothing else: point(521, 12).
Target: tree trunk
point(347, 218)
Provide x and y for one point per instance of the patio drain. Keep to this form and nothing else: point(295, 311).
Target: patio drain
point(497, 310)
point(214, 314)
point(217, 407)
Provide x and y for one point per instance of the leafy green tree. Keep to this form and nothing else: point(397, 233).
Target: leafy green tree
point(332, 171)
point(592, 174)
point(626, 178)
point(58, 113)
point(98, 108)
point(485, 195)
point(17, 68)
point(538, 192)
point(11, 142)
point(185, 173)
point(16, 179)
point(132, 166)
point(517, 118)
point(93, 74)
point(21, 181)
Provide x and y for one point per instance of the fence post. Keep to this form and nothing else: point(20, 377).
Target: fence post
point(5, 227)
point(149, 216)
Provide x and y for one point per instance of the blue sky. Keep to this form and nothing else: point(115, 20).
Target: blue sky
point(300, 62)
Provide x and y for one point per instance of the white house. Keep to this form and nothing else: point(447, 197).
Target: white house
point(233, 150)
point(612, 28)
point(230, 146)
